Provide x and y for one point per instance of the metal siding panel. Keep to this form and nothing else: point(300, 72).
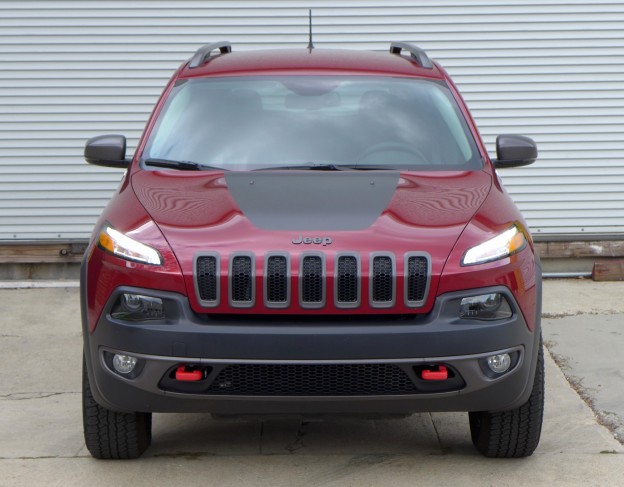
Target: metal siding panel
point(551, 69)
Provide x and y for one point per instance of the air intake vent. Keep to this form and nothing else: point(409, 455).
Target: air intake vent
point(242, 281)
point(347, 282)
point(276, 281)
point(382, 281)
point(312, 281)
point(207, 279)
point(416, 280)
point(312, 380)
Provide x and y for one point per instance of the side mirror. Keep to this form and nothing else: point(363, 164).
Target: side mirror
point(107, 151)
point(514, 151)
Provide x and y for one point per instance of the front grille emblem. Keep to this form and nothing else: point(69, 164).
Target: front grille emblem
point(325, 241)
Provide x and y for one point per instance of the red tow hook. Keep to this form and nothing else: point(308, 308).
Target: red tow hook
point(188, 375)
point(440, 374)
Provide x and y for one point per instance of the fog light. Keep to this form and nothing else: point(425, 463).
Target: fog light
point(500, 363)
point(493, 306)
point(124, 364)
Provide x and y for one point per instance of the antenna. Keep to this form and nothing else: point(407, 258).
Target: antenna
point(310, 45)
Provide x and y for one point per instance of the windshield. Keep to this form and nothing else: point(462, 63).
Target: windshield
point(312, 121)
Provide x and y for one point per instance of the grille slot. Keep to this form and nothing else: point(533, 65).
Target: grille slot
point(416, 280)
point(276, 276)
point(312, 281)
point(382, 281)
point(347, 283)
point(207, 279)
point(242, 281)
point(312, 380)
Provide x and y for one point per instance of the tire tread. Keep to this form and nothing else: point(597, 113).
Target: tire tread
point(514, 433)
point(110, 434)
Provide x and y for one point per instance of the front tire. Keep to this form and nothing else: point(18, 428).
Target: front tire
point(516, 432)
point(109, 434)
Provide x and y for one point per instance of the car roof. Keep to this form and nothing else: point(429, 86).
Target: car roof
point(310, 61)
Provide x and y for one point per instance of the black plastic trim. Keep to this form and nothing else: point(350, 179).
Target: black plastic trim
point(107, 151)
point(436, 337)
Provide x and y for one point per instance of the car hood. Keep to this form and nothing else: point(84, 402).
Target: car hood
point(310, 200)
point(323, 211)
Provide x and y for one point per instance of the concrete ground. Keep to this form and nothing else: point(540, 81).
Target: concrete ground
point(41, 439)
point(583, 325)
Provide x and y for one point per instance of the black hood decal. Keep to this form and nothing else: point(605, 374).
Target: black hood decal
point(312, 200)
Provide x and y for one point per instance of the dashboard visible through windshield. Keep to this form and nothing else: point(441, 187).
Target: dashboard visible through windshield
point(311, 122)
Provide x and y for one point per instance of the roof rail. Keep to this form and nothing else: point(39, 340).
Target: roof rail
point(203, 54)
point(417, 54)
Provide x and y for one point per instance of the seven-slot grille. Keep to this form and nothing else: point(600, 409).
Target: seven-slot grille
point(312, 281)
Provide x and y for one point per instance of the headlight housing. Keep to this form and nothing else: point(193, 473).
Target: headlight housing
point(138, 307)
point(510, 242)
point(489, 307)
point(124, 247)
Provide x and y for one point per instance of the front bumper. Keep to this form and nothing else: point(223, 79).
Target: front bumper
point(215, 343)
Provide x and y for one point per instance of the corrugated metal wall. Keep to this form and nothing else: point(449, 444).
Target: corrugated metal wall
point(552, 69)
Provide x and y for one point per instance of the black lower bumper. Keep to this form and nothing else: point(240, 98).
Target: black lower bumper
point(408, 344)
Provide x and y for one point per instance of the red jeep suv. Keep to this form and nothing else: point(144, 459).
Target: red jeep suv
point(313, 233)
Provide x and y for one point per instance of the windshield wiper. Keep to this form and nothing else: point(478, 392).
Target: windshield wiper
point(364, 167)
point(181, 165)
point(304, 167)
point(326, 167)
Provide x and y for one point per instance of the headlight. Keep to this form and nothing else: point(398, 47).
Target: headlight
point(507, 243)
point(127, 248)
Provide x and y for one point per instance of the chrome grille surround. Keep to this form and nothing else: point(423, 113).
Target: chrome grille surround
point(382, 275)
point(272, 280)
point(314, 275)
point(242, 280)
point(424, 260)
point(345, 275)
point(200, 283)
